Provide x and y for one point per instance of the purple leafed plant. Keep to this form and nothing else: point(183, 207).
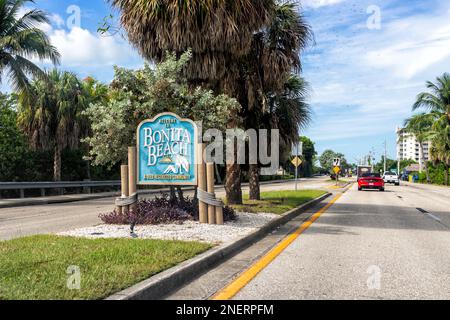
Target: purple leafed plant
point(160, 211)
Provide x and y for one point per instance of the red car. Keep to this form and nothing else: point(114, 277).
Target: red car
point(371, 181)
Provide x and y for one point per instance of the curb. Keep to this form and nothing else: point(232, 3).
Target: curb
point(162, 284)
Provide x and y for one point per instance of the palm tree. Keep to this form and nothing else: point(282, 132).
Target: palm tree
point(420, 126)
point(289, 112)
point(440, 147)
point(21, 39)
point(51, 115)
point(437, 101)
point(274, 56)
point(218, 32)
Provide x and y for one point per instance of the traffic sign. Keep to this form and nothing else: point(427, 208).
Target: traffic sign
point(336, 162)
point(297, 162)
point(336, 169)
point(297, 149)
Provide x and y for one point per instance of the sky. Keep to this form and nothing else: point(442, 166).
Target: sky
point(368, 61)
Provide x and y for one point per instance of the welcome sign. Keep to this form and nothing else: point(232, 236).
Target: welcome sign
point(167, 151)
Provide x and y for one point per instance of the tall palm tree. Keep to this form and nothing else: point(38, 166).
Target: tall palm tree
point(218, 32)
point(440, 147)
point(420, 126)
point(289, 112)
point(437, 101)
point(21, 39)
point(275, 54)
point(51, 115)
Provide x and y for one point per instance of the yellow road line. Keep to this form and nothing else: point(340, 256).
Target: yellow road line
point(232, 289)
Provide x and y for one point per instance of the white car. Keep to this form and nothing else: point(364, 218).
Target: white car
point(390, 177)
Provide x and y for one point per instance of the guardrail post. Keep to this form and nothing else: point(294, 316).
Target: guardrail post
point(22, 193)
point(132, 174)
point(125, 190)
point(202, 207)
point(210, 182)
point(42, 192)
point(87, 190)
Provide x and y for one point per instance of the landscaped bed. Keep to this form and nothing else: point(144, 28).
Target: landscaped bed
point(278, 202)
point(249, 217)
point(35, 267)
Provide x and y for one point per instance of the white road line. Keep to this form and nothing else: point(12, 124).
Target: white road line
point(432, 216)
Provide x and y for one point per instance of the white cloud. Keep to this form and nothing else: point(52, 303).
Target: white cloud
point(57, 20)
point(366, 81)
point(319, 3)
point(407, 56)
point(79, 47)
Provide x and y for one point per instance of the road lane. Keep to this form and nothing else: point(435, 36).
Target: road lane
point(22, 221)
point(369, 245)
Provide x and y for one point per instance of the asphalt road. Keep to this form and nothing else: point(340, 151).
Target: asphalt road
point(51, 218)
point(368, 245)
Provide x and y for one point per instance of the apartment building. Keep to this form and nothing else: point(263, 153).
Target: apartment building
point(408, 147)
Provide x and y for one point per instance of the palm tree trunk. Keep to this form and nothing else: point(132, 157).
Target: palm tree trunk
point(233, 184)
point(255, 190)
point(57, 164)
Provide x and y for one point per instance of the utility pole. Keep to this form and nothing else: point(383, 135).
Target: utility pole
point(385, 155)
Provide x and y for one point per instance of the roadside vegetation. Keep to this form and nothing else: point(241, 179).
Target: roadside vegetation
point(40, 267)
point(278, 202)
point(434, 126)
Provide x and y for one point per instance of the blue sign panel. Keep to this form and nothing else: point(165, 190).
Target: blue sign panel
point(167, 151)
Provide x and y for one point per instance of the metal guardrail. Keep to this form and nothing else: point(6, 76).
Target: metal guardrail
point(22, 186)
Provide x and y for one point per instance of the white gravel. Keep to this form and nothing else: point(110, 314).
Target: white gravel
point(245, 224)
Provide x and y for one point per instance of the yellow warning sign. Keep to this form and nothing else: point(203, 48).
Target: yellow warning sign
point(297, 162)
point(336, 170)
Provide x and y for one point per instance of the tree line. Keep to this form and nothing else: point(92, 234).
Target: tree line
point(229, 64)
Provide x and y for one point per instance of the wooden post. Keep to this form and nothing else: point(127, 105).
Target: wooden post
point(219, 215)
point(202, 207)
point(210, 182)
point(125, 190)
point(132, 173)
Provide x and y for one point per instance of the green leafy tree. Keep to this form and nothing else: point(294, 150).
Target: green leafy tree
point(309, 153)
point(139, 95)
point(13, 148)
point(21, 39)
point(50, 115)
point(391, 165)
point(326, 160)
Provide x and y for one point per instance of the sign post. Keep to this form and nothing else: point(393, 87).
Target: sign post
point(337, 168)
point(297, 162)
point(297, 152)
